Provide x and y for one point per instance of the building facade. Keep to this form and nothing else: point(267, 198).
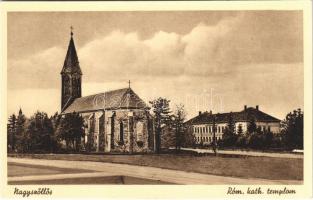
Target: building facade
point(202, 125)
point(115, 121)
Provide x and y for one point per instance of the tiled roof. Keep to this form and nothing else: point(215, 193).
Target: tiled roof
point(115, 99)
point(244, 115)
point(71, 63)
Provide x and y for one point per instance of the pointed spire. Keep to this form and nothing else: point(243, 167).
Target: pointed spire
point(20, 111)
point(72, 31)
point(71, 63)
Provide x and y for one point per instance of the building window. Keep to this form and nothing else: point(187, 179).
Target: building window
point(218, 129)
point(121, 133)
point(269, 128)
point(139, 131)
point(112, 131)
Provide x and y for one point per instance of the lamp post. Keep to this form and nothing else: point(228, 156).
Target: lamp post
point(214, 138)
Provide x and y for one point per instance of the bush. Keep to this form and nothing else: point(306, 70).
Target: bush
point(241, 141)
point(256, 140)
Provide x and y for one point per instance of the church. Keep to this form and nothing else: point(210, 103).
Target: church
point(115, 121)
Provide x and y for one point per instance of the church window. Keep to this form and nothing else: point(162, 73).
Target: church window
point(112, 130)
point(139, 131)
point(121, 133)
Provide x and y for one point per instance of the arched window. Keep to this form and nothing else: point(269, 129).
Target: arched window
point(139, 131)
point(121, 132)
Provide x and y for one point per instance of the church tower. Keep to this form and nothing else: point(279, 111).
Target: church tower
point(71, 76)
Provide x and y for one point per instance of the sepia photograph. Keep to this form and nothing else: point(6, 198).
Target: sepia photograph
point(181, 97)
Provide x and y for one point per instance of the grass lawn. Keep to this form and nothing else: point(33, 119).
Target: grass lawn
point(247, 167)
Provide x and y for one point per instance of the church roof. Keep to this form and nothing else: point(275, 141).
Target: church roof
point(244, 115)
point(115, 99)
point(71, 63)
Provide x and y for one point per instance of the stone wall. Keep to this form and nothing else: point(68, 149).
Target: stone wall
point(131, 131)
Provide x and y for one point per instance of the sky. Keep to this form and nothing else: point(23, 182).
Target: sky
point(205, 60)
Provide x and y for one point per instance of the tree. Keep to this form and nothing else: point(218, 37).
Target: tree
point(178, 119)
point(161, 111)
point(229, 136)
point(71, 129)
point(56, 120)
point(267, 138)
point(240, 131)
point(188, 138)
point(11, 129)
point(251, 125)
point(292, 129)
point(40, 130)
point(241, 137)
point(20, 132)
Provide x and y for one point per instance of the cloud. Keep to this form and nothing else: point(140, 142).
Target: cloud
point(41, 70)
point(206, 51)
point(250, 58)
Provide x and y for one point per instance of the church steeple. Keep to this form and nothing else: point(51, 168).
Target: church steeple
point(71, 63)
point(71, 76)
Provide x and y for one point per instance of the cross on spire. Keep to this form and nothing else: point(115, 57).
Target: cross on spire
point(71, 31)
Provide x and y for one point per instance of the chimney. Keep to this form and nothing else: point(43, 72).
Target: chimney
point(245, 107)
point(210, 112)
point(257, 107)
point(199, 113)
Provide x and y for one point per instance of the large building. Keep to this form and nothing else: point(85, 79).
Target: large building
point(202, 125)
point(115, 121)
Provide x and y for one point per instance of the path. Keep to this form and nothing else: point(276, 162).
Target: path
point(109, 169)
point(247, 153)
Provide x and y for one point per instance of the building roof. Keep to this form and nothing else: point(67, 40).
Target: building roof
point(71, 63)
point(116, 99)
point(244, 115)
